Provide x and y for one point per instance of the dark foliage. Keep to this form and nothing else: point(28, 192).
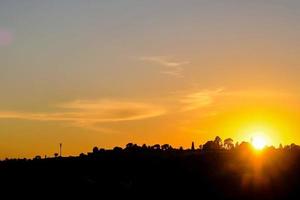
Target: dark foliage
point(215, 171)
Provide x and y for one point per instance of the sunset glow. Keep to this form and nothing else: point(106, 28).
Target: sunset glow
point(258, 142)
point(107, 73)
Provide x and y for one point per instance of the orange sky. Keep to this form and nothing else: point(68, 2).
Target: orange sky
point(108, 73)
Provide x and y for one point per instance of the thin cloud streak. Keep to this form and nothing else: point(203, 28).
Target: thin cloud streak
point(89, 113)
point(199, 99)
point(173, 68)
point(163, 60)
point(206, 98)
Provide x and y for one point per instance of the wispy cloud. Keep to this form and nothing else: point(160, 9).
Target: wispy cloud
point(206, 98)
point(200, 99)
point(84, 113)
point(172, 67)
point(165, 61)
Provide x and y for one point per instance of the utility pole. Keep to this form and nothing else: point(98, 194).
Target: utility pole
point(60, 149)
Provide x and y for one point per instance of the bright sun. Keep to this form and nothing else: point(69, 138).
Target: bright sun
point(258, 142)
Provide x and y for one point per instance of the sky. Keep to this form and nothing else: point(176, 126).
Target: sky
point(105, 73)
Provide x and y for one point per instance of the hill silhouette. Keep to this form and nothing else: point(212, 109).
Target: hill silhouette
point(215, 170)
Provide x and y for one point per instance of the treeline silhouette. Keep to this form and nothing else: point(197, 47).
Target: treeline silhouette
point(215, 170)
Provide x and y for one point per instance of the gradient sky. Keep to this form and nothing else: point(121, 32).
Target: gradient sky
point(106, 73)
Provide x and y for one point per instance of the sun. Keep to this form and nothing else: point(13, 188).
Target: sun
point(258, 142)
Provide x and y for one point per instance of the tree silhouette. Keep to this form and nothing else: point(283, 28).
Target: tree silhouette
point(156, 147)
point(37, 157)
point(117, 149)
point(228, 143)
point(129, 146)
point(218, 142)
point(95, 150)
point(236, 144)
point(214, 170)
point(81, 155)
point(166, 147)
point(245, 147)
point(210, 145)
point(193, 146)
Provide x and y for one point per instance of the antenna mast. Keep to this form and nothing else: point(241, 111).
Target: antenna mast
point(60, 149)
